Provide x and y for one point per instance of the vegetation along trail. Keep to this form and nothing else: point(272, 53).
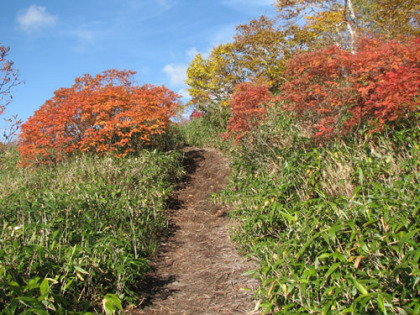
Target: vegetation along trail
point(198, 270)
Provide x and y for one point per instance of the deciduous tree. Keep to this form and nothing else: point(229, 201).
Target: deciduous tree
point(256, 55)
point(8, 78)
point(261, 51)
point(389, 18)
point(313, 24)
point(211, 80)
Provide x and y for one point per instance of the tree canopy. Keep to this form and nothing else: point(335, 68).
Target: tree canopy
point(261, 48)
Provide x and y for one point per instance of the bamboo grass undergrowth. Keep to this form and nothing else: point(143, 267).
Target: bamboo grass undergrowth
point(76, 237)
point(335, 227)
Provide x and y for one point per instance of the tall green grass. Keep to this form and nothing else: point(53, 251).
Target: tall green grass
point(335, 228)
point(76, 237)
point(202, 132)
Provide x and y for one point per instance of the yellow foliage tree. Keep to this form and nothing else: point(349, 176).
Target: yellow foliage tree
point(389, 18)
point(312, 24)
point(212, 79)
point(261, 52)
point(257, 54)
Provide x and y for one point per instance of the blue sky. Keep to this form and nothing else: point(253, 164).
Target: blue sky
point(54, 41)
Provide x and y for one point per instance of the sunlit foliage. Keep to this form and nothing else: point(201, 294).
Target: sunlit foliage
point(334, 91)
point(211, 80)
point(246, 108)
point(104, 113)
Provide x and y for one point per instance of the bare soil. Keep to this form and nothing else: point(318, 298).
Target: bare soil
point(197, 270)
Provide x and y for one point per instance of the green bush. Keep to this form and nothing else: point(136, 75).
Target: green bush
point(75, 237)
point(203, 132)
point(336, 228)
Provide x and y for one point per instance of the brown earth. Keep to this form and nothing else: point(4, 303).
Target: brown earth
point(198, 270)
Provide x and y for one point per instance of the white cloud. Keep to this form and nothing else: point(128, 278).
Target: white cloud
point(177, 73)
point(184, 94)
point(35, 18)
point(192, 52)
point(250, 3)
point(85, 38)
point(223, 35)
point(164, 4)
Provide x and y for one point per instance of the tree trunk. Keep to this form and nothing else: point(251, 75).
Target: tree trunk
point(350, 18)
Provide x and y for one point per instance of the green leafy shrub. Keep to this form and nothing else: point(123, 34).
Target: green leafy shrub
point(336, 229)
point(202, 132)
point(77, 235)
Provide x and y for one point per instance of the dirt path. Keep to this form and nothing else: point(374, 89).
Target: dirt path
point(198, 270)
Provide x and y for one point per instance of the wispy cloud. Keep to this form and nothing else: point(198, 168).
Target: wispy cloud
point(177, 73)
point(223, 35)
point(191, 53)
point(249, 3)
point(251, 6)
point(184, 94)
point(165, 4)
point(35, 18)
point(87, 34)
point(85, 38)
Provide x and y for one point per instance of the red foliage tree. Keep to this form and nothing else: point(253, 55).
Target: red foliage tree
point(105, 113)
point(333, 91)
point(246, 108)
point(196, 114)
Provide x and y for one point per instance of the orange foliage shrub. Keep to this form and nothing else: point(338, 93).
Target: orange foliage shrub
point(334, 91)
point(246, 109)
point(105, 113)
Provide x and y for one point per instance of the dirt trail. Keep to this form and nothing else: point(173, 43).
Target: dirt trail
point(198, 270)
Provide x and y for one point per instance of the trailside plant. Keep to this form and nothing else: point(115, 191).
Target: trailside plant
point(76, 237)
point(101, 114)
point(202, 131)
point(335, 228)
point(246, 108)
point(333, 91)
